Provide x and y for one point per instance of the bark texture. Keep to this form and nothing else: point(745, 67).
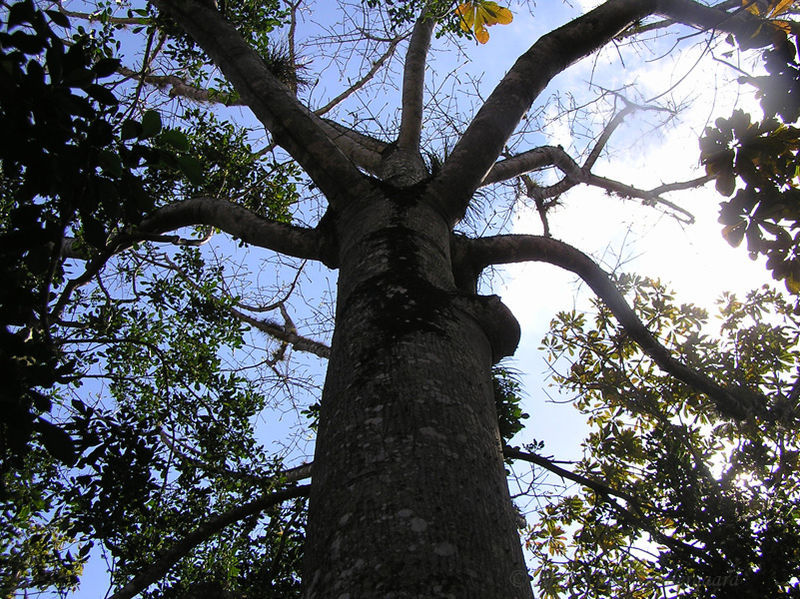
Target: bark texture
point(409, 497)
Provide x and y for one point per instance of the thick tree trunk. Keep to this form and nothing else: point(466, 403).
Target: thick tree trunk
point(409, 491)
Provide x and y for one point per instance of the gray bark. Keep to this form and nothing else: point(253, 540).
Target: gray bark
point(409, 497)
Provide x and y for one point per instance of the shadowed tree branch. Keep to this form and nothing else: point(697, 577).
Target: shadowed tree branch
point(235, 220)
point(285, 334)
point(179, 87)
point(290, 475)
point(605, 494)
point(515, 453)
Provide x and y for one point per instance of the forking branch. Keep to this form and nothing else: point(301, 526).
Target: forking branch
point(485, 137)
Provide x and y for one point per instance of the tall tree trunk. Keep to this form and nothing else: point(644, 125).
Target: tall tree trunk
point(409, 492)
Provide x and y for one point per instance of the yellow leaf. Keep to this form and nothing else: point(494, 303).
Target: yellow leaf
point(466, 15)
point(780, 7)
point(477, 15)
point(792, 286)
point(751, 7)
point(783, 25)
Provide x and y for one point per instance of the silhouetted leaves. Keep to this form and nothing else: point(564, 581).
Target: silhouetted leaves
point(756, 164)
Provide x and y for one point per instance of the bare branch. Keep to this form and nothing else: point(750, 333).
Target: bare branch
point(179, 87)
point(532, 160)
point(515, 453)
point(363, 150)
point(376, 66)
point(203, 532)
point(292, 125)
point(287, 333)
point(612, 125)
point(736, 403)
point(574, 174)
point(653, 196)
point(233, 219)
point(483, 141)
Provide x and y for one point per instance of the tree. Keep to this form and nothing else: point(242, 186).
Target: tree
point(409, 494)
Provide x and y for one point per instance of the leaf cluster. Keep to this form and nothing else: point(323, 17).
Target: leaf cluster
point(700, 507)
point(71, 166)
point(756, 165)
point(78, 168)
point(507, 398)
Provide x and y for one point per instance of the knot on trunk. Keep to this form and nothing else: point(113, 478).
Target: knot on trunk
point(498, 322)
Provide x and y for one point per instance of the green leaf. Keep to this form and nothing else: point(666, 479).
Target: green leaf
point(110, 163)
point(59, 18)
point(151, 124)
point(57, 443)
point(192, 168)
point(130, 129)
point(22, 12)
point(102, 94)
point(175, 138)
point(106, 66)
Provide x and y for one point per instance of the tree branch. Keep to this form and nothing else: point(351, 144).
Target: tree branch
point(210, 527)
point(413, 84)
point(376, 66)
point(292, 125)
point(533, 160)
point(545, 156)
point(736, 403)
point(516, 453)
point(283, 333)
point(290, 475)
point(605, 493)
point(484, 139)
point(574, 174)
point(232, 218)
point(363, 150)
point(179, 87)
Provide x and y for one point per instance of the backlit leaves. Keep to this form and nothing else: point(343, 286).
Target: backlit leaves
point(476, 16)
point(687, 479)
point(774, 9)
point(756, 164)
